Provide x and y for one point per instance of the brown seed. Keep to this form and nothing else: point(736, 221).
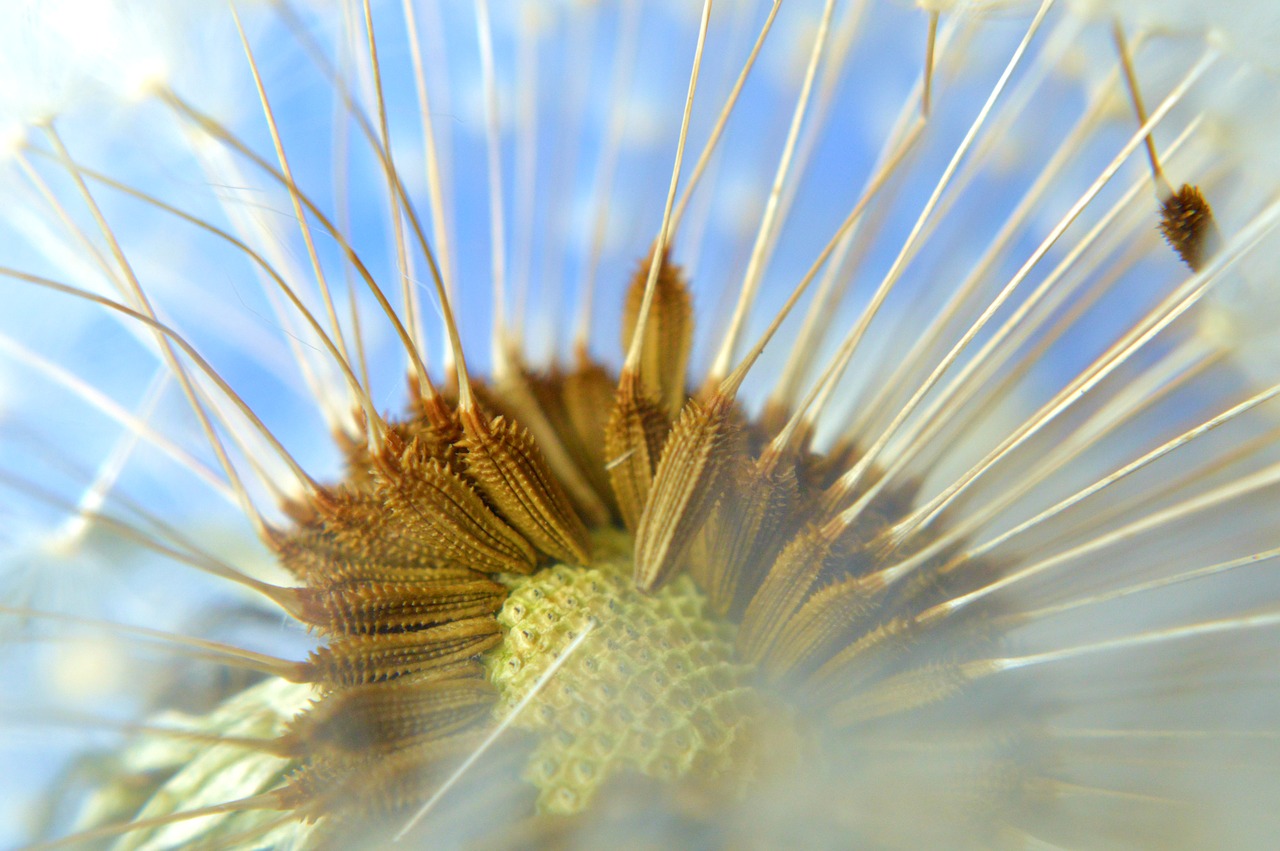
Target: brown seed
point(422, 513)
point(588, 393)
point(785, 588)
point(362, 466)
point(442, 510)
point(368, 783)
point(863, 658)
point(1187, 222)
point(686, 484)
point(633, 441)
point(509, 469)
point(832, 614)
point(664, 354)
point(391, 716)
point(359, 659)
point(902, 692)
point(363, 607)
point(534, 401)
point(313, 556)
point(750, 526)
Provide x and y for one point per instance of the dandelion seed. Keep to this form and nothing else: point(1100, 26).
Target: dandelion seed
point(894, 483)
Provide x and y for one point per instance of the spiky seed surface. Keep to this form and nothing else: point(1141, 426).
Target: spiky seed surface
point(633, 441)
point(668, 337)
point(830, 614)
point(390, 716)
point(363, 607)
point(588, 393)
point(314, 557)
point(417, 511)
point(748, 528)
point(1187, 222)
point(901, 693)
point(372, 784)
point(436, 504)
point(784, 589)
point(535, 402)
point(509, 469)
point(358, 659)
point(686, 484)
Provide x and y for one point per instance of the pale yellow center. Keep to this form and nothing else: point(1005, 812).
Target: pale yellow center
point(653, 687)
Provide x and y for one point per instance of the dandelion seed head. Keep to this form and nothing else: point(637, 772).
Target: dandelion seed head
point(1003, 579)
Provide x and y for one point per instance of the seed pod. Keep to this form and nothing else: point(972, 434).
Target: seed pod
point(686, 484)
point(1187, 222)
point(508, 468)
point(633, 441)
point(359, 659)
point(391, 716)
point(362, 607)
point(664, 353)
point(441, 509)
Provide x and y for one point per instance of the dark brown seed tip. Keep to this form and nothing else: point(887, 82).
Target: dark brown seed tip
point(1187, 222)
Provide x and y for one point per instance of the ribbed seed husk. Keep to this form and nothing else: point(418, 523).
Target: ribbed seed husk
point(362, 607)
point(508, 468)
point(391, 716)
point(633, 441)
point(686, 485)
point(903, 692)
point(316, 558)
point(443, 510)
point(532, 401)
point(750, 525)
point(371, 783)
point(419, 510)
point(830, 614)
point(668, 337)
point(785, 588)
point(358, 659)
point(587, 394)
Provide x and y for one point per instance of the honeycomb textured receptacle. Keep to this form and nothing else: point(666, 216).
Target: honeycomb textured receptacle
point(653, 688)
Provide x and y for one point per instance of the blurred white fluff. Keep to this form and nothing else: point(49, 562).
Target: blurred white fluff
point(57, 51)
point(59, 56)
point(1248, 28)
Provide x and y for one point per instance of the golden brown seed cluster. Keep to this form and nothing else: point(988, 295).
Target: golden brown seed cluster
point(431, 556)
point(397, 564)
point(726, 579)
